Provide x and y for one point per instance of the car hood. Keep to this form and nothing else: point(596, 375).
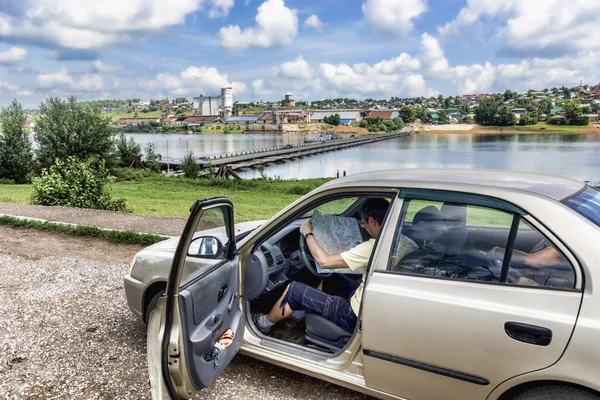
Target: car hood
point(170, 245)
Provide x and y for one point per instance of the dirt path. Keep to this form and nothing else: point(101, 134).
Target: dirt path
point(66, 331)
point(169, 226)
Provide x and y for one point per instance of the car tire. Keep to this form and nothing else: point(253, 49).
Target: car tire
point(152, 305)
point(554, 392)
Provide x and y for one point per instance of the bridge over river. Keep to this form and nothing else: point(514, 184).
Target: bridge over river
point(249, 159)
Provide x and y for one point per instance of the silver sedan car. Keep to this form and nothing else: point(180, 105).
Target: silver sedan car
point(494, 299)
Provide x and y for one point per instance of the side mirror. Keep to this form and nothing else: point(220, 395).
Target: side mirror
point(206, 247)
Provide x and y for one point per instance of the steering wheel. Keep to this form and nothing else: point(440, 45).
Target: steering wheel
point(308, 260)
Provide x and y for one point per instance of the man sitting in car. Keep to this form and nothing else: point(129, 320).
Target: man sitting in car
point(341, 305)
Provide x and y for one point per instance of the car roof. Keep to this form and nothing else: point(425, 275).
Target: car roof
point(554, 187)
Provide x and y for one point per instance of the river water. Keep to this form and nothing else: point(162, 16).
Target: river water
point(572, 155)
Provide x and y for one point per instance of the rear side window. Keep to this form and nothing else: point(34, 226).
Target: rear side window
point(586, 203)
point(476, 243)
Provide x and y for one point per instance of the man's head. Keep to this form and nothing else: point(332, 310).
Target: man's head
point(372, 213)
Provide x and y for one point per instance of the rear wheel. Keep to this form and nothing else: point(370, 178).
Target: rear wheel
point(555, 392)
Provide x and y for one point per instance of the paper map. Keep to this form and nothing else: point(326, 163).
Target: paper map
point(336, 234)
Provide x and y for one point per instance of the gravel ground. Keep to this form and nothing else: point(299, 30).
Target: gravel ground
point(66, 331)
point(169, 226)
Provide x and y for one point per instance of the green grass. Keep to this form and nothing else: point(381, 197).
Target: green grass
point(121, 237)
point(115, 115)
point(541, 128)
point(220, 128)
point(253, 199)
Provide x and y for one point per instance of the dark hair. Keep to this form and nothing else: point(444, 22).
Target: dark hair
point(374, 208)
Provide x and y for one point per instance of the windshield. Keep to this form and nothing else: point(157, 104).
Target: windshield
point(587, 203)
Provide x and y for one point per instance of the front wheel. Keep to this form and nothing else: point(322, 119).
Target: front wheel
point(555, 392)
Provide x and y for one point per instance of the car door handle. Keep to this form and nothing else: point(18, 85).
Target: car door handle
point(531, 334)
point(214, 324)
point(221, 293)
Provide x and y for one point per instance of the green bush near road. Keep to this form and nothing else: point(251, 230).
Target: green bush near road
point(75, 183)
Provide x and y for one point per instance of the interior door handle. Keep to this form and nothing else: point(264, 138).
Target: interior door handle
point(532, 334)
point(214, 324)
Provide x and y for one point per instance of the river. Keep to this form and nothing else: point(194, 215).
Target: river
point(572, 155)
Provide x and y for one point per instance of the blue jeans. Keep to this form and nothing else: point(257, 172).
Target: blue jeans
point(335, 308)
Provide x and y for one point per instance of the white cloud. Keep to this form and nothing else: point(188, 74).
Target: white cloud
point(433, 58)
point(392, 17)
point(54, 80)
point(314, 22)
point(62, 80)
point(297, 69)
point(220, 8)
point(25, 93)
point(78, 25)
point(12, 55)
point(7, 86)
point(276, 26)
point(258, 86)
point(151, 66)
point(99, 66)
point(193, 80)
point(89, 83)
point(547, 29)
point(116, 82)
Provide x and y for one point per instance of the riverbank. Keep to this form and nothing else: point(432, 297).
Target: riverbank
point(254, 199)
point(531, 129)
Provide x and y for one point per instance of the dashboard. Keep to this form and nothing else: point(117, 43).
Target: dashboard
point(273, 261)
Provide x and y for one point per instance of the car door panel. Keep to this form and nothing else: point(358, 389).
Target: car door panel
point(456, 328)
point(206, 317)
point(201, 302)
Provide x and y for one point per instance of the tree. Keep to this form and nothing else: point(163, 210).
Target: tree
point(505, 117)
point(189, 166)
point(574, 114)
point(68, 128)
point(15, 146)
point(332, 119)
point(485, 112)
point(443, 117)
point(545, 106)
point(408, 114)
point(152, 159)
point(129, 153)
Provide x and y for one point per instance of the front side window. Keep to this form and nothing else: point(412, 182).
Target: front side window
point(469, 242)
point(210, 245)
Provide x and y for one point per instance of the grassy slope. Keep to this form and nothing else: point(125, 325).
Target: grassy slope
point(173, 196)
point(541, 128)
point(115, 115)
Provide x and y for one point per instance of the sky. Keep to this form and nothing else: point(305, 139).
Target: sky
point(315, 49)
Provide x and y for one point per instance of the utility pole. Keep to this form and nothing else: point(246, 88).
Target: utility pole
point(168, 168)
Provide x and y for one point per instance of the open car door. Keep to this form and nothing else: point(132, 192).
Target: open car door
point(190, 331)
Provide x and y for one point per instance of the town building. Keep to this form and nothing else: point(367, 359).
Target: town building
point(454, 113)
point(347, 116)
point(215, 106)
point(384, 114)
point(519, 112)
point(288, 100)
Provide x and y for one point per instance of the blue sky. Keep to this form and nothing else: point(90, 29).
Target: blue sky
point(313, 48)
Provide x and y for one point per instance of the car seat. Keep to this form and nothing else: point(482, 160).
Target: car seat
point(325, 333)
point(454, 235)
point(426, 226)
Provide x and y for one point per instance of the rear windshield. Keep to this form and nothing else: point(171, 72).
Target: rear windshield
point(587, 203)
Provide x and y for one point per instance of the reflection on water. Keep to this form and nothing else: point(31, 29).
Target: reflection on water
point(572, 155)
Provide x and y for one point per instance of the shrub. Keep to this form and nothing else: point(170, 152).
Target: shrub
point(75, 183)
point(190, 166)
